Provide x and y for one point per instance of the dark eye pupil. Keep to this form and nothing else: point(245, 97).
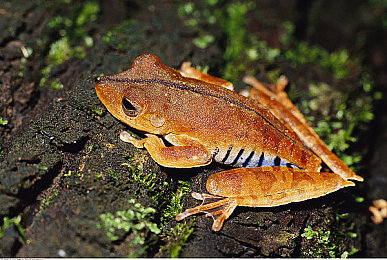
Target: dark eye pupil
point(129, 108)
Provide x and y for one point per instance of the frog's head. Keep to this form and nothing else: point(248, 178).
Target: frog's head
point(137, 96)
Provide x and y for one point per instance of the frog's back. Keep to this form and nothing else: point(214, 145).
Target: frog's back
point(238, 130)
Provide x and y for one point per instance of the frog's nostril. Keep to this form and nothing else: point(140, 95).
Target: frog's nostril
point(130, 109)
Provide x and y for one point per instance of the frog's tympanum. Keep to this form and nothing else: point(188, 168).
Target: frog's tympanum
point(277, 153)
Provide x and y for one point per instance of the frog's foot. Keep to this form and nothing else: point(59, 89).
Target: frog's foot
point(219, 208)
point(126, 137)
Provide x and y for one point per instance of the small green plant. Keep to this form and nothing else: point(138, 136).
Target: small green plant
point(48, 201)
point(113, 174)
point(3, 121)
point(9, 222)
point(175, 205)
point(97, 110)
point(145, 179)
point(203, 41)
point(177, 237)
point(301, 53)
point(131, 221)
point(41, 167)
point(194, 17)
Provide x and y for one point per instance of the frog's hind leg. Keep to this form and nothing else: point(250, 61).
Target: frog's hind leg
point(187, 71)
point(275, 98)
point(219, 208)
point(274, 92)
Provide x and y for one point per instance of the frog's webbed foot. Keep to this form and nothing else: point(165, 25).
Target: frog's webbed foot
point(219, 208)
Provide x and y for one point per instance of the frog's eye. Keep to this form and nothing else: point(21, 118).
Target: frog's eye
point(130, 108)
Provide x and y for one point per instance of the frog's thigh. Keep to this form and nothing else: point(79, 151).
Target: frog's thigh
point(186, 152)
point(190, 72)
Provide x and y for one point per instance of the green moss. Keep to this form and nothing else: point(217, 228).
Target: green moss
point(302, 53)
point(48, 201)
point(177, 238)
point(258, 50)
point(56, 85)
point(147, 180)
point(323, 241)
point(329, 238)
point(232, 19)
point(175, 206)
point(339, 114)
point(132, 221)
point(108, 37)
point(234, 25)
point(123, 37)
point(195, 17)
point(73, 39)
point(87, 14)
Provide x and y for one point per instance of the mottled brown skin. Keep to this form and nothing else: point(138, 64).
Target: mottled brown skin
point(204, 119)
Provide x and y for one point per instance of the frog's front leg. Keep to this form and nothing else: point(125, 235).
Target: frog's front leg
point(185, 153)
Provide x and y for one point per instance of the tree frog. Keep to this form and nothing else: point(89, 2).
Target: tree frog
point(191, 118)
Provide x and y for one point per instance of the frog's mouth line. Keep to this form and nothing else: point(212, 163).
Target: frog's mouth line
point(130, 108)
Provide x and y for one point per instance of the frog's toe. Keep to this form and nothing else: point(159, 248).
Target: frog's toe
point(126, 137)
point(183, 215)
point(219, 208)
